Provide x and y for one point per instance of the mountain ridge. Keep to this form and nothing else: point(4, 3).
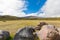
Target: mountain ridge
point(7, 17)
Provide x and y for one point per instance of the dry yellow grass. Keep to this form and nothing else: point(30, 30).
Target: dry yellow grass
point(13, 26)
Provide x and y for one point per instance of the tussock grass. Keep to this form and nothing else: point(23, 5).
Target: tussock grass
point(13, 26)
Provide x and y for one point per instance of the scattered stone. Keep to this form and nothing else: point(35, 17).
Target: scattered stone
point(39, 26)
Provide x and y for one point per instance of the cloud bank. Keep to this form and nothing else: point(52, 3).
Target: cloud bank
point(51, 8)
point(12, 7)
point(16, 7)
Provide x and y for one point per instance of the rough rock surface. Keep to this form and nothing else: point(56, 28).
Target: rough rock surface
point(4, 35)
point(48, 32)
point(39, 26)
point(25, 33)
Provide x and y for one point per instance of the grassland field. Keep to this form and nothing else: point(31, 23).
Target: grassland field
point(14, 25)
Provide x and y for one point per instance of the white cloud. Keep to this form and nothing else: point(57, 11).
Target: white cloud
point(12, 7)
point(32, 14)
point(16, 7)
point(51, 8)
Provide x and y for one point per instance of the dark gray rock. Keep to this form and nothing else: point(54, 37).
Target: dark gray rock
point(4, 35)
point(25, 33)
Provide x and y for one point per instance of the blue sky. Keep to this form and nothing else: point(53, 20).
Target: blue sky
point(34, 5)
point(22, 8)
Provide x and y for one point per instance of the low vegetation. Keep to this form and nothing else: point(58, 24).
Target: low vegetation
point(13, 25)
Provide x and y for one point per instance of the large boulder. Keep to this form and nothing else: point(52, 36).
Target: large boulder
point(25, 33)
point(4, 35)
point(48, 32)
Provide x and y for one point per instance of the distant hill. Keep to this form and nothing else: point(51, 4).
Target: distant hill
point(40, 18)
point(31, 17)
point(7, 17)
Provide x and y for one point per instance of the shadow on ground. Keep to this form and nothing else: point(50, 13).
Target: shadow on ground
point(10, 38)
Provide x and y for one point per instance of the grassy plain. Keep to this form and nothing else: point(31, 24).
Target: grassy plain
point(13, 26)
